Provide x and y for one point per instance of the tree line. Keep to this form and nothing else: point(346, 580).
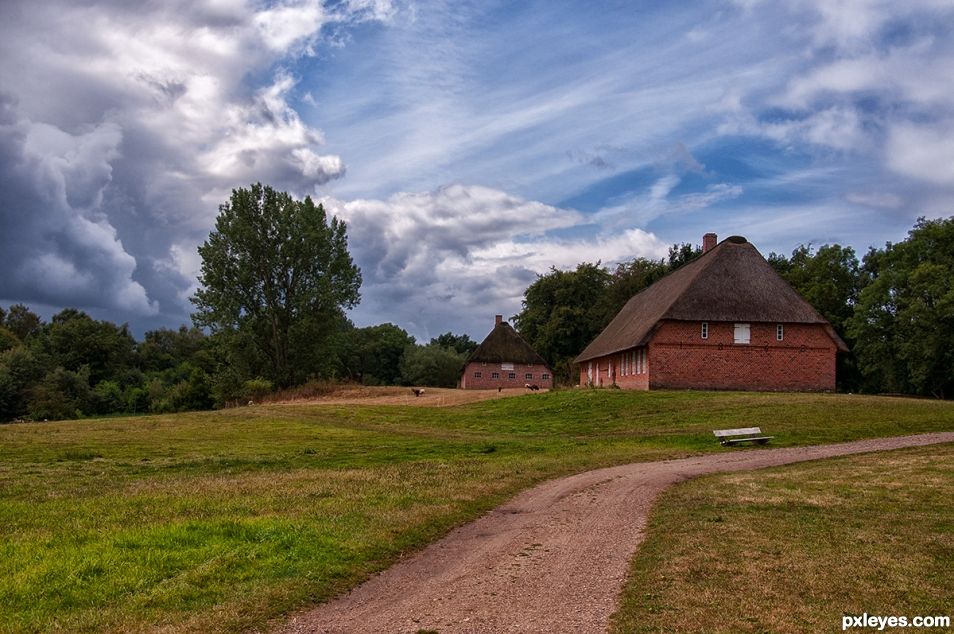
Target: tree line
point(277, 278)
point(894, 307)
point(74, 366)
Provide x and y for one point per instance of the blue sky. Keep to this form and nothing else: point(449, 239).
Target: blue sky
point(470, 146)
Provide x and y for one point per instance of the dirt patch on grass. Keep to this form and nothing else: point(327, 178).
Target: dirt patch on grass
point(432, 396)
point(553, 559)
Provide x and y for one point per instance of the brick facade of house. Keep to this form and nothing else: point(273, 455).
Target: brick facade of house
point(677, 357)
point(479, 375)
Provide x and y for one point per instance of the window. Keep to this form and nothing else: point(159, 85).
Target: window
point(743, 333)
point(477, 375)
point(506, 366)
point(528, 375)
point(705, 330)
point(511, 375)
point(544, 376)
point(779, 332)
point(495, 375)
point(639, 361)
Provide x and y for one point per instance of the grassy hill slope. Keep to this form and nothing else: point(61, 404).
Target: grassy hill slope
point(222, 521)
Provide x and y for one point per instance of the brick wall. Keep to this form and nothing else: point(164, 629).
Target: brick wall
point(606, 370)
point(486, 381)
point(803, 361)
point(679, 358)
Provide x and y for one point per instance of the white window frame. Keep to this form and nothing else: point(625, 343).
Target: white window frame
point(544, 376)
point(779, 332)
point(495, 375)
point(478, 374)
point(511, 376)
point(705, 330)
point(528, 376)
point(742, 334)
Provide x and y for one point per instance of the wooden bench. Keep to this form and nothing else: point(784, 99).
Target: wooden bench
point(746, 434)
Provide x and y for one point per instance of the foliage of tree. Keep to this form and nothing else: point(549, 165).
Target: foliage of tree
point(432, 365)
point(73, 340)
point(903, 324)
point(462, 344)
point(682, 254)
point(76, 365)
point(276, 271)
point(22, 322)
point(376, 353)
point(562, 312)
point(831, 280)
point(7, 340)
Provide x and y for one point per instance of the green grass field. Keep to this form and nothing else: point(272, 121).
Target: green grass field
point(793, 549)
point(225, 521)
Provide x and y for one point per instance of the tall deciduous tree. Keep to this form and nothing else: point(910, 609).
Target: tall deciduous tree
point(277, 273)
point(562, 312)
point(462, 344)
point(904, 321)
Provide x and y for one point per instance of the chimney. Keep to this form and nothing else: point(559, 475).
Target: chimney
point(708, 242)
point(497, 320)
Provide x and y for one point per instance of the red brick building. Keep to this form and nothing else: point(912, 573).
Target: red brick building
point(725, 321)
point(504, 359)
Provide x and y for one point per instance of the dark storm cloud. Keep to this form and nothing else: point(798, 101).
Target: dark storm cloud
point(119, 140)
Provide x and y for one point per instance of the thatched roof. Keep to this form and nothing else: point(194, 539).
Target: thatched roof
point(504, 345)
point(731, 282)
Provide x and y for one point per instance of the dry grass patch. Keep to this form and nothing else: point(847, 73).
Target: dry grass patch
point(795, 548)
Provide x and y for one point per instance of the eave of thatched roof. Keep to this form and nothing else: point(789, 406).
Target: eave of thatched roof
point(731, 282)
point(504, 345)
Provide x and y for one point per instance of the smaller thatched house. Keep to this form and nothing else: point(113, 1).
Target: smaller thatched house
point(726, 320)
point(504, 359)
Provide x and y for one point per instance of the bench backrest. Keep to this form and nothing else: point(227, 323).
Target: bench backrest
point(745, 431)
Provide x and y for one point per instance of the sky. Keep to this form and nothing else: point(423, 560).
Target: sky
point(469, 146)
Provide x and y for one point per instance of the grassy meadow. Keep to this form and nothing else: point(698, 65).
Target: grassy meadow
point(793, 549)
point(228, 520)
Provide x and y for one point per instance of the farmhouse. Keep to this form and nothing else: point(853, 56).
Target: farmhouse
point(504, 359)
point(726, 320)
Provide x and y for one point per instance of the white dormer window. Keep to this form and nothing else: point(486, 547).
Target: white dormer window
point(743, 333)
point(705, 330)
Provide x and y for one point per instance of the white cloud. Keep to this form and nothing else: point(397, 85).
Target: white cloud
point(465, 251)
point(880, 200)
point(922, 152)
point(134, 127)
point(286, 25)
point(641, 208)
point(917, 73)
point(840, 128)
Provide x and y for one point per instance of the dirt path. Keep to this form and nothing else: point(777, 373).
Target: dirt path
point(553, 559)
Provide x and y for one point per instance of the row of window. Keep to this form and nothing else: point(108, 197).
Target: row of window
point(512, 375)
point(632, 362)
point(503, 366)
point(743, 332)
